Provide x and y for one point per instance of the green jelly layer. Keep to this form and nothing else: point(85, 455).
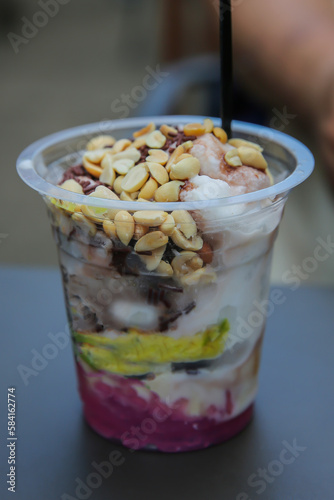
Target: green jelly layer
point(136, 353)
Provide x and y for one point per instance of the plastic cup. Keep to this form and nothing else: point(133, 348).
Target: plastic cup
point(166, 362)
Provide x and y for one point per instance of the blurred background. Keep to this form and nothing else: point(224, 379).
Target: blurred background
point(68, 62)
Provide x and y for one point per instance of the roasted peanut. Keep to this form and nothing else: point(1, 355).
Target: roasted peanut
point(179, 263)
point(232, 158)
point(208, 124)
point(108, 175)
point(156, 140)
point(167, 227)
point(194, 244)
point(220, 134)
point(105, 193)
point(157, 156)
point(140, 231)
point(168, 192)
point(252, 158)
point(117, 184)
point(182, 157)
point(109, 228)
point(158, 172)
point(125, 226)
point(148, 190)
point(140, 142)
point(84, 224)
point(130, 153)
point(237, 143)
point(152, 261)
point(202, 276)
point(185, 223)
point(95, 156)
point(174, 156)
point(168, 131)
point(194, 129)
point(90, 165)
point(151, 241)
point(151, 218)
point(135, 178)
point(100, 142)
point(269, 174)
point(185, 169)
point(73, 186)
point(164, 269)
point(98, 213)
point(145, 130)
point(121, 145)
point(124, 196)
point(123, 166)
point(195, 263)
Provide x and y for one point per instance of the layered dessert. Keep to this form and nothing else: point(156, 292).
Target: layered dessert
point(161, 300)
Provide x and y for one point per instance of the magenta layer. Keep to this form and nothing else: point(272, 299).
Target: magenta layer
point(118, 413)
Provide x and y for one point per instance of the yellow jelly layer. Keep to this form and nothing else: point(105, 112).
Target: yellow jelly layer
point(136, 353)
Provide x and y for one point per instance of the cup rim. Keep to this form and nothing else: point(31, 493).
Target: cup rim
point(302, 155)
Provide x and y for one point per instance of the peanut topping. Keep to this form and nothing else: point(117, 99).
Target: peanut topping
point(252, 158)
point(168, 131)
point(202, 276)
point(122, 167)
point(194, 129)
point(140, 231)
point(208, 124)
point(135, 178)
point(185, 169)
point(237, 143)
point(108, 175)
point(151, 241)
point(167, 227)
point(164, 269)
point(121, 145)
point(150, 218)
point(117, 184)
point(185, 223)
point(146, 130)
point(156, 140)
point(168, 192)
point(125, 226)
point(220, 134)
point(157, 156)
point(100, 142)
point(109, 228)
point(158, 172)
point(72, 185)
point(148, 190)
point(153, 261)
point(232, 158)
point(195, 243)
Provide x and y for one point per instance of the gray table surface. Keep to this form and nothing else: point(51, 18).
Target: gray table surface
point(56, 449)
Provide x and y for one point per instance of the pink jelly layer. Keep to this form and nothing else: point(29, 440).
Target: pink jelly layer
point(117, 412)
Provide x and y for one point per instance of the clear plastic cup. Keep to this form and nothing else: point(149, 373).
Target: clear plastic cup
point(167, 356)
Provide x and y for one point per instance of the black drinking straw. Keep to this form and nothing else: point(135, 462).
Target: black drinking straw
point(226, 69)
